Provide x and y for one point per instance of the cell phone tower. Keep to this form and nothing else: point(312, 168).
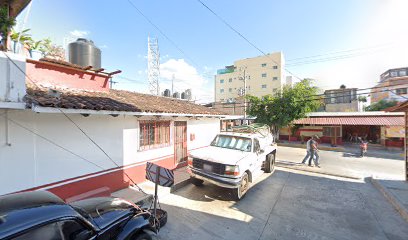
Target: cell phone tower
point(153, 65)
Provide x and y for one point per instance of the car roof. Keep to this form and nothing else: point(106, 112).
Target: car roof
point(237, 134)
point(30, 199)
point(22, 211)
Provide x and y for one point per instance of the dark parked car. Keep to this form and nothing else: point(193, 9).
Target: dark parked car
point(42, 215)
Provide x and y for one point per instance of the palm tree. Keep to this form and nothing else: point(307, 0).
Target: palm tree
point(6, 23)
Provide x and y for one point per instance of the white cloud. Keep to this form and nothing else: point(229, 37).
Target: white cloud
point(103, 46)
point(386, 28)
point(79, 33)
point(185, 77)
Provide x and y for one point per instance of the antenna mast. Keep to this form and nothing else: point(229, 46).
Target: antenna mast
point(153, 65)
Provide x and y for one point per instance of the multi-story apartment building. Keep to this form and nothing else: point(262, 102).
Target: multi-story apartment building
point(393, 85)
point(342, 100)
point(264, 75)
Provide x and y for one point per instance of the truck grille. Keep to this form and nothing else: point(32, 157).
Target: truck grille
point(217, 168)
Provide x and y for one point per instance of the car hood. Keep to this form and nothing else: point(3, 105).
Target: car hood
point(219, 155)
point(103, 211)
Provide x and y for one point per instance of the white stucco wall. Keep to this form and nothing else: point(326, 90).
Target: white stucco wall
point(31, 161)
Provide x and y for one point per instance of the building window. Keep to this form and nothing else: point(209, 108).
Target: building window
point(263, 85)
point(263, 74)
point(263, 64)
point(275, 67)
point(154, 134)
point(230, 90)
point(275, 78)
point(230, 80)
point(402, 73)
point(401, 91)
point(222, 81)
point(394, 74)
point(221, 90)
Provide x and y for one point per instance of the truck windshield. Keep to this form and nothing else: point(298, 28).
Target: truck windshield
point(232, 142)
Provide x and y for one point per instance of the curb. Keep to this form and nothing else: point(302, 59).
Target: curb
point(391, 199)
point(338, 149)
point(179, 185)
point(321, 172)
point(145, 201)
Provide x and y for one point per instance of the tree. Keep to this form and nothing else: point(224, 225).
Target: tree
point(342, 86)
point(362, 99)
point(6, 23)
point(381, 105)
point(50, 50)
point(281, 109)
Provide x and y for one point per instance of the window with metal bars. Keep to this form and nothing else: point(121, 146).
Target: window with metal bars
point(154, 134)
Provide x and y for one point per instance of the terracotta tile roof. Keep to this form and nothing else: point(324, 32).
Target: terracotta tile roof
point(367, 120)
point(63, 63)
point(115, 100)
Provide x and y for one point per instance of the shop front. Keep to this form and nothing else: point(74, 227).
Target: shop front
point(333, 128)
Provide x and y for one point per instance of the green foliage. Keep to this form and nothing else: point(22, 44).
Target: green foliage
point(381, 105)
point(362, 98)
point(284, 107)
point(34, 45)
point(22, 36)
point(6, 23)
point(342, 86)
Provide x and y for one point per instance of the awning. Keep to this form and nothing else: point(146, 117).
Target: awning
point(375, 121)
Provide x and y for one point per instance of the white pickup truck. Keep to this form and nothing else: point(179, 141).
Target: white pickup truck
point(234, 159)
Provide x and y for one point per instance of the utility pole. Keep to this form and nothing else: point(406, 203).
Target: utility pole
point(172, 85)
point(244, 92)
point(111, 83)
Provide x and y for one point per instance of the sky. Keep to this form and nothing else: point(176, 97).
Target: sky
point(335, 42)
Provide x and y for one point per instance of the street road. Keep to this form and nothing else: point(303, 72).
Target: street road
point(379, 164)
point(288, 204)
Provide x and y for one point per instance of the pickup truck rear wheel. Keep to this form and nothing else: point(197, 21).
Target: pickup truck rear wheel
point(270, 163)
point(243, 187)
point(196, 182)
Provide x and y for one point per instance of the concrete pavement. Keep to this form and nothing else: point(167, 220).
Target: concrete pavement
point(286, 205)
point(346, 164)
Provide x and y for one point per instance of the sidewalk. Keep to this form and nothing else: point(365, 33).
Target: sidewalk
point(181, 179)
point(396, 192)
point(373, 150)
point(322, 146)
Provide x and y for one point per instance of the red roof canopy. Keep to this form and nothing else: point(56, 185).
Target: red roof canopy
point(366, 120)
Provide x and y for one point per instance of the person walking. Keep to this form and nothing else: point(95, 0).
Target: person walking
point(314, 152)
point(308, 152)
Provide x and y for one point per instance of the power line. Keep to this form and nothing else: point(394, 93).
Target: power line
point(242, 36)
point(337, 52)
point(337, 96)
point(54, 143)
point(29, 78)
point(334, 58)
point(161, 32)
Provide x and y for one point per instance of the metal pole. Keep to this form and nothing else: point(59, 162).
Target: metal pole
point(245, 92)
point(155, 192)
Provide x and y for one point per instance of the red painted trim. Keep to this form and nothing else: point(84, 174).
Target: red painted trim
point(118, 169)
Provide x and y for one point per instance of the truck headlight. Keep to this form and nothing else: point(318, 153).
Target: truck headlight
point(232, 170)
point(190, 161)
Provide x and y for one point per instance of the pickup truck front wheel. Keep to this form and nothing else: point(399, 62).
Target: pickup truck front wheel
point(270, 163)
point(243, 187)
point(196, 182)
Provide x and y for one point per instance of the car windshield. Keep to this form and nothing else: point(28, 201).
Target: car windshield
point(232, 142)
